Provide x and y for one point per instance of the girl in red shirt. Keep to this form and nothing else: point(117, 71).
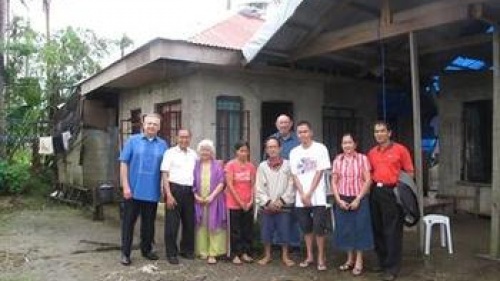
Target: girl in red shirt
point(240, 179)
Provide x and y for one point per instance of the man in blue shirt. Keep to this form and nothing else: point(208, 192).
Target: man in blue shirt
point(289, 140)
point(140, 176)
point(287, 137)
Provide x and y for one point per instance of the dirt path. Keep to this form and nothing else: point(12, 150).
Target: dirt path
point(60, 243)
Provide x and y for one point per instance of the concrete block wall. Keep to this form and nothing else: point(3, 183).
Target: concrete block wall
point(455, 90)
point(306, 95)
point(198, 92)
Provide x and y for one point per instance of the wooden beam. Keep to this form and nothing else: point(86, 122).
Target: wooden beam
point(495, 184)
point(487, 14)
point(417, 132)
point(385, 13)
point(461, 42)
point(422, 17)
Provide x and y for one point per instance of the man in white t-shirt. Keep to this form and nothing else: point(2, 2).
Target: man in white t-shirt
point(177, 179)
point(308, 161)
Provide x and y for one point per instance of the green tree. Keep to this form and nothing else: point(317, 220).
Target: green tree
point(40, 75)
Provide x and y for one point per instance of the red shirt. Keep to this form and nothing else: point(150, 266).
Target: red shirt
point(388, 162)
point(242, 182)
point(349, 171)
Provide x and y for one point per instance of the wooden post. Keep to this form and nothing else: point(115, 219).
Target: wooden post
point(495, 184)
point(417, 132)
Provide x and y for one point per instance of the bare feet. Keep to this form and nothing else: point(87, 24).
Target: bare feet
point(288, 262)
point(247, 258)
point(236, 260)
point(212, 260)
point(306, 263)
point(265, 260)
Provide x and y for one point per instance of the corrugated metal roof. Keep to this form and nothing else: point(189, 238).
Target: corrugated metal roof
point(232, 33)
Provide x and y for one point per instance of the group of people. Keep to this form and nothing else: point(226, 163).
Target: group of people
point(287, 191)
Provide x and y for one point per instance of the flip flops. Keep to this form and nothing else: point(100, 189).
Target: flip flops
point(357, 271)
point(306, 263)
point(321, 267)
point(346, 266)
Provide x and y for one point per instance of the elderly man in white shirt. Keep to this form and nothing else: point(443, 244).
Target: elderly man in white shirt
point(177, 178)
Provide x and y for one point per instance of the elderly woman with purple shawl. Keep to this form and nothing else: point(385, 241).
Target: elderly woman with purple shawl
point(210, 207)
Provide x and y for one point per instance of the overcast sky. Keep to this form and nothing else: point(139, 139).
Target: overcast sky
point(141, 20)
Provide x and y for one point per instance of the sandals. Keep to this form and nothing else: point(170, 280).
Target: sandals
point(321, 267)
point(357, 271)
point(246, 258)
point(211, 260)
point(306, 263)
point(237, 261)
point(346, 266)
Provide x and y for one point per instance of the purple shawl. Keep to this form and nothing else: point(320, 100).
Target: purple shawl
point(217, 209)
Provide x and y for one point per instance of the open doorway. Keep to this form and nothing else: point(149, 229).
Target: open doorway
point(270, 110)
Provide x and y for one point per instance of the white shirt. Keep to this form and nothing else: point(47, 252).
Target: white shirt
point(305, 162)
point(180, 165)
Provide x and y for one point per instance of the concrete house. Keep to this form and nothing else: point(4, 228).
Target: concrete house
point(200, 84)
point(336, 64)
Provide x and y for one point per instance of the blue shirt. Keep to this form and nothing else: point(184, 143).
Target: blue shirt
point(287, 144)
point(143, 157)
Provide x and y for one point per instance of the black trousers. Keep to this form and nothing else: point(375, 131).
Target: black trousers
point(387, 220)
point(241, 231)
point(131, 210)
point(182, 214)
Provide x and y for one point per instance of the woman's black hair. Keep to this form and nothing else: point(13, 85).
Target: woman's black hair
point(241, 144)
point(353, 137)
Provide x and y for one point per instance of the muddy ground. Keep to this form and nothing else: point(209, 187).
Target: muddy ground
point(53, 242)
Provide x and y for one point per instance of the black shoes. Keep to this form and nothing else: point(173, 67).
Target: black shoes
point(188, 256)
point(125, 260)
point(151, 256)
point(173, 260)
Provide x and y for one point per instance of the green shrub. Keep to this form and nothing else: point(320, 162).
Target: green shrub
point(13, 177)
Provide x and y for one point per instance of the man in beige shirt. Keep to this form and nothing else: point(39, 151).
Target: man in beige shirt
point(275, 197)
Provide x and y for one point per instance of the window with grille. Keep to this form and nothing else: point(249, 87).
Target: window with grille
point(171, 119)
point(130, 126)
point(337, 122)
point(233, 124)
point(136, 121)
point(477, 141)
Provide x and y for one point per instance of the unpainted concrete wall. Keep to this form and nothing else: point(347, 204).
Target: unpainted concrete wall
point(199, 91)
point(455, 90)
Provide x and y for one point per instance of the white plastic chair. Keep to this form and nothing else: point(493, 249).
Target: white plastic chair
point(445, 229)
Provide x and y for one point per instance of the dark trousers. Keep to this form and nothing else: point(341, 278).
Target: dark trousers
point(131, 210)
point(241, 229)
point(387, 220)
point(183, 214)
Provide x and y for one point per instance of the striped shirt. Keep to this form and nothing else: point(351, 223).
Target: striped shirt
point(349, 171)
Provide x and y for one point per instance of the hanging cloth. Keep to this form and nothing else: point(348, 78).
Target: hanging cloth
point(65, 138)
point(45, 146)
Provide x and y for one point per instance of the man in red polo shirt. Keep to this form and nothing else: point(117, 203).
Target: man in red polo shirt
point(387, 160)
